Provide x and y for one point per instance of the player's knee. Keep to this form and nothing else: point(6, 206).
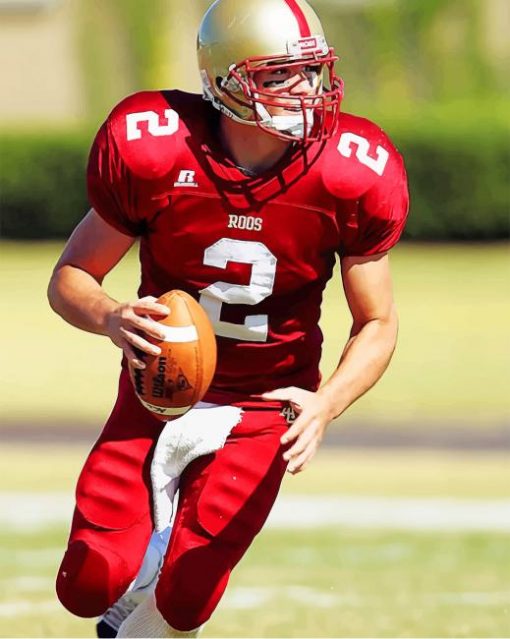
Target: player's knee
point(188, 593)
point(189, 611)
point(89, 579)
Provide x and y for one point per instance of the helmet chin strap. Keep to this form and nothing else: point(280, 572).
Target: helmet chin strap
point(218, 104)
point(291, 124)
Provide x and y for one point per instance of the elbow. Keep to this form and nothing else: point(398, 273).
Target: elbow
point(391, 326)
point(52, 292)
point(386, 324)
point(391, 337)
point(58, 286)
point(393, 320)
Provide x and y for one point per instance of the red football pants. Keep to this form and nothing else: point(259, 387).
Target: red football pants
point(224, 501)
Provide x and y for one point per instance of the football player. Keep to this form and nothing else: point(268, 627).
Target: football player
point(243, 197)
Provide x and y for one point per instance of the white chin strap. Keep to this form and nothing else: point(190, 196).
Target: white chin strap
point(291, 124)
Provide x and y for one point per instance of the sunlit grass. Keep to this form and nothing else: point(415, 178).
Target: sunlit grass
point(324, 582)
point(452, 362)
point(410, 473)
point(319, 583)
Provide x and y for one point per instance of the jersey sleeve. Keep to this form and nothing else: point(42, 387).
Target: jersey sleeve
point(110, 185)
point(132, 154)
point(381, 212)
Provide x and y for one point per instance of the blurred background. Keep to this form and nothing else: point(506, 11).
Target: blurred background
point(435, 75)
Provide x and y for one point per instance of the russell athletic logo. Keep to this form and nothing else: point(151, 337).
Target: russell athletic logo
point(186, 178)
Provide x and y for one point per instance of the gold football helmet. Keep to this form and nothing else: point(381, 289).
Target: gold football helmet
point(239, 38)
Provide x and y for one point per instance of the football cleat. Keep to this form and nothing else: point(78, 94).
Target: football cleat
point(239, 38)
point(108, 625)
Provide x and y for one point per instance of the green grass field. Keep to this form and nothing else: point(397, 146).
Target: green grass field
point(408, 473)
point(452, 367)
point(329, 581)
point(452, 363)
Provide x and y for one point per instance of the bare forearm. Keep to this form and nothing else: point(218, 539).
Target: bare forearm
point(364, 360)
point(79, 299)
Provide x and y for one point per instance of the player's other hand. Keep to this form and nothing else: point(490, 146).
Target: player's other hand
point(314, 415)
point(129, 324)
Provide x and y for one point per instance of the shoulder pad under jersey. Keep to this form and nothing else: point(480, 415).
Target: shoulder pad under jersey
point(147, 132)
point(359, 155)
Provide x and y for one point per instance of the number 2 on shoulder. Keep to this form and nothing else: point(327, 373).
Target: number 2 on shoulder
point(377, 164)
point(151, 120)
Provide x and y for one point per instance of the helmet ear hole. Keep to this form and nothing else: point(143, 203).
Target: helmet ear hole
point(219, 81)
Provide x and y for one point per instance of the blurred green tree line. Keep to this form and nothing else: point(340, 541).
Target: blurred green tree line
point(433, 73)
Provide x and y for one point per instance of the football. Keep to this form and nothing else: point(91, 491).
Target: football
point(179, 377)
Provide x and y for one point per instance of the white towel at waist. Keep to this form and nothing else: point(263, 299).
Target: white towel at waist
point(201, 431)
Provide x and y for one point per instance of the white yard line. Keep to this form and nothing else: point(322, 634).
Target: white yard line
point(27, 583)
point(18, 607)
point(249, 598)
point(26, 511)
point(392, 513)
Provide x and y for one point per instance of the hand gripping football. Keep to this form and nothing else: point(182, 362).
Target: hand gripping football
point(179, 377)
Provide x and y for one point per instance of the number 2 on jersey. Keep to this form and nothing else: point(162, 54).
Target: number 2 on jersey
point(377, 164)
point(255, 327)
point(154, 127)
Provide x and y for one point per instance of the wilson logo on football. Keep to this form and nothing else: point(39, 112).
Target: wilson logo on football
point(173, 381)
point(186, 178)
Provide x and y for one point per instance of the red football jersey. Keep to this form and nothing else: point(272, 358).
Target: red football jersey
point(255, 251)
